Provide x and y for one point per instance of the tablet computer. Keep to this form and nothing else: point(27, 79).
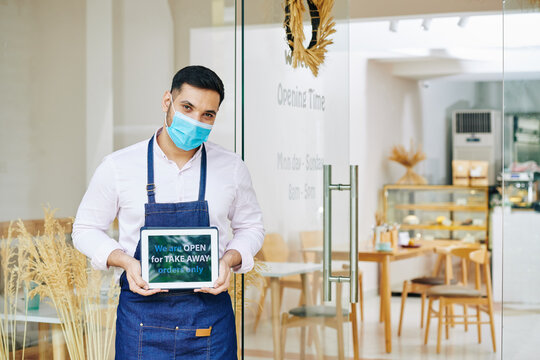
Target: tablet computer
point(179, 258)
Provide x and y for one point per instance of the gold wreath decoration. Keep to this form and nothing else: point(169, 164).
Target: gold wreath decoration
point(322, 24)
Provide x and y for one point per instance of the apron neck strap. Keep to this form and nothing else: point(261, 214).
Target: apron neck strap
point(202, 181)
point(151, 187)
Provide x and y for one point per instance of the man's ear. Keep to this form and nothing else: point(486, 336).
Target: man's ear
point(166, 101)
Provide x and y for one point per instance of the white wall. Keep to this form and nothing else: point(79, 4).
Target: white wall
point(42, 97)
point(214, 48)
point(385, 111)
point(99, 81)
point(143, 67)
point(439, 99)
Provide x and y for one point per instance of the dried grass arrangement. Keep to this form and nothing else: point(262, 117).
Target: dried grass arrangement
point(409, 159)
point(252, 279)
point(12, 266)
point(322, 24)
point(64, 278)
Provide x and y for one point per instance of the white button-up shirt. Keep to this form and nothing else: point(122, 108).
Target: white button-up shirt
point(118, 189)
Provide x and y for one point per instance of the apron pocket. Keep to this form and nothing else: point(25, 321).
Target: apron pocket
point(164, 343)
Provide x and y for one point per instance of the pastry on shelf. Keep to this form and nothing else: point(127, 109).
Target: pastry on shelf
point(411, 220)
point(478, 222)
point(447, 222)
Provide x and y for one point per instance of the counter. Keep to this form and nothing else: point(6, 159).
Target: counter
point(515, 238)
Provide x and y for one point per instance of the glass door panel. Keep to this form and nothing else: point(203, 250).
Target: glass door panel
point(518, 217)
point(294, 123)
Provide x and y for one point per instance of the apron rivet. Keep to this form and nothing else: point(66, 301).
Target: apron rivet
point(141, 324)
point(177, 328)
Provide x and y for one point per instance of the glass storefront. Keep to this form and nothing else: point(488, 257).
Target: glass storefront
point(517, 217)
point(404, 131)
point(294, 123)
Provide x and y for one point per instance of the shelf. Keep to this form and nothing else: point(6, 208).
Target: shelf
point(442, 207)
point(428, 202)
point(435, 187)
point(442, 227)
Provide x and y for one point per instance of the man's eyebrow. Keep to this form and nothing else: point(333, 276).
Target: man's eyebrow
point(190, 104)
point(187, 102)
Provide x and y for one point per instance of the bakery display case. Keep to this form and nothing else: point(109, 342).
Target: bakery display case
point(521, 188)
point(439, 211)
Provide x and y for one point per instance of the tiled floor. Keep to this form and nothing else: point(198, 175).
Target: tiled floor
point(522, 329)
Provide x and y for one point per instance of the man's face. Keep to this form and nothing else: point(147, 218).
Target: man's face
point(198, 104)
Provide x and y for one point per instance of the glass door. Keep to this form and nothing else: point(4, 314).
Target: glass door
point(518, 217)
point(295, 121)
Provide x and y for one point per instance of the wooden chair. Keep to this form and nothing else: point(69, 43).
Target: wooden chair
point(332, 316)
point(275, 249)
point(421, 285)
point(311, 239)
point(455, 294)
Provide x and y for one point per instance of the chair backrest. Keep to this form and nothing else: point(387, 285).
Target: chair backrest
point(481, 258)
point(34, 226)
point(274, 248)
point(463, 251)
point(310, 239)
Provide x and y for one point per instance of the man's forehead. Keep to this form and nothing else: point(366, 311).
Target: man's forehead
point(185, 89)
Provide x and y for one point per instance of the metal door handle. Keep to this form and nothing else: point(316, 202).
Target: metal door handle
point(327, 231)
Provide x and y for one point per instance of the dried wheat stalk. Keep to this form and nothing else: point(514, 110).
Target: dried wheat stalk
point(409, 159)
point(379, 218)
point(251, 279)
point(64, 278)
point(312, 57)
point(11, 261)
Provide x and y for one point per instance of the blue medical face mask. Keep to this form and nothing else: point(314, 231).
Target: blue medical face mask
point(187, 133)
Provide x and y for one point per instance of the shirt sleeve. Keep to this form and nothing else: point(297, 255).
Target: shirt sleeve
point(97, 211)
point(246, 220)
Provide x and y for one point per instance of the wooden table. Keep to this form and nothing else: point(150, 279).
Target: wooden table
point(45, 317)
point(384, 258)
point(274, 271)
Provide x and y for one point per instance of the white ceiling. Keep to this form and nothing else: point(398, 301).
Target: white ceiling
point(448, 50)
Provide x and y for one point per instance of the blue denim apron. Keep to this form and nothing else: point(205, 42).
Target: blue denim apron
point(179, 324)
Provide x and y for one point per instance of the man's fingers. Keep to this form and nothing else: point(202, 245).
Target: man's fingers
point(213, 291)
point(147, 292)
point(140, 282)
point(223, 277)
point(139, 286)
point(218, 288)
point(224, 281)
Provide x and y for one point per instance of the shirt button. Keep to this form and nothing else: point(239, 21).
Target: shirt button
point(177, 328)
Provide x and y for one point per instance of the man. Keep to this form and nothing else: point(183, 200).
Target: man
point(175, 179)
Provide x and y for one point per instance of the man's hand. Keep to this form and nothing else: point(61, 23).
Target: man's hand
point(133, 272)
point(230, 259)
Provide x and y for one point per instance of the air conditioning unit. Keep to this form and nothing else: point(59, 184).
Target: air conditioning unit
point(476, 135)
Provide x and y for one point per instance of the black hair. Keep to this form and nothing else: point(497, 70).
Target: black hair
point(200, 77)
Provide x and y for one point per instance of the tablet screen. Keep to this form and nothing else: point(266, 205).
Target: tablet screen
point(179, 258)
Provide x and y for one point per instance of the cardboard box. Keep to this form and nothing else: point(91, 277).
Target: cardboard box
point(479, 173)
point(460, 172)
